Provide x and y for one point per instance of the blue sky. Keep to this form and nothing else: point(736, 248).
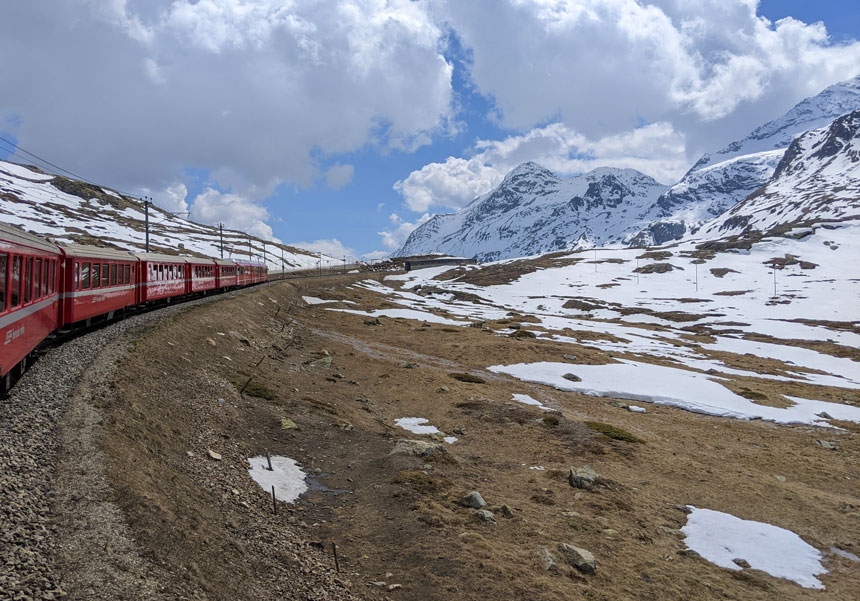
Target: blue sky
point(299, 123)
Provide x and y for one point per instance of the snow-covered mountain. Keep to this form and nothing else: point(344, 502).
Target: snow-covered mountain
point(73, 211)
point(811, 113)
point(720, 180)
point(818, 179)
point(534, 211)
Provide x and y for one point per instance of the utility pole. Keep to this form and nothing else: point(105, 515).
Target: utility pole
point(146, 203)
point(249, 247)
point(221, 236)
point(283, 265)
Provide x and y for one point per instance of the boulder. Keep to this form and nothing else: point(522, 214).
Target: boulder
point(582, 477)
point(579, 558)
point(548, 559)
point(473, 499)
point(486, 516)
point(419, 448)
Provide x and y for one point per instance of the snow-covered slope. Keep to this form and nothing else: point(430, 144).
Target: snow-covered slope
point(72, 211)
point(817, 179)
point(534, 211)
point(720, 180)
point(811, 113)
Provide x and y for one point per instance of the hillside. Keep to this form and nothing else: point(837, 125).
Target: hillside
point(534, 211)
point(73, 211)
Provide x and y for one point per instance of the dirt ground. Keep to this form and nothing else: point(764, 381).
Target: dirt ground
point(396, 519)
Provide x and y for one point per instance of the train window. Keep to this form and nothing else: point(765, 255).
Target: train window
point(85, 276)
point(160, 269)
point(77, 284)
point(105, 274)
point(37, 279)
point(49, 274)
point(15, 283)
point(97, 274)
point(28, 280)
point(4, 267)
point(113, 274)
point(128, 274)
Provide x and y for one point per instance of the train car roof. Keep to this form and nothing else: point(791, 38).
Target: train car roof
point(16, 235)
point(225, 262)
point(97, 252)
point(250, 263)
point(159, 258)
point(200, 260)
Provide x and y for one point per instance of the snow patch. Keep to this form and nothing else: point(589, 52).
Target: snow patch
point(286, 476)
point(721, 537)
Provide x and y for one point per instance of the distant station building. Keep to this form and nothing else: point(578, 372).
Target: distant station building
point(422, 263)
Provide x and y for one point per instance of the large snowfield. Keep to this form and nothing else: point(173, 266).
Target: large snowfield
point(745, 307)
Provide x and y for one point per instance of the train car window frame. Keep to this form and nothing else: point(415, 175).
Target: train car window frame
point(85, 275)
point(77, 283)
point(128, 274)
point(28, 280)
point(95, 275)
point(105, 275)
point(37, 279)
point(4, 280)
point(113, 274)
point(15, 280)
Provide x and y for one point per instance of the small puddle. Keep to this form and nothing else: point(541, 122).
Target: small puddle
point(314, 484)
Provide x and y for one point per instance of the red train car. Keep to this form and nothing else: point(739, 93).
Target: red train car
point(96, 281)
point(225, 273)
point(29, 295)
point(200, 275)
point(161, 276)
point(252, 272)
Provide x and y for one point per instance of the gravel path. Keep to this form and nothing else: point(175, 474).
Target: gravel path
point(31, 523)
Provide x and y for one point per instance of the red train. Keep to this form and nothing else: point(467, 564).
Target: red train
point(44, 286)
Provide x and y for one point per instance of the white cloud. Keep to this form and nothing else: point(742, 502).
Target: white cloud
point(375, 254)
point(603, 66)
point(656, 149)
point(337, 176)
point(234, 211)
point(451, 184)
point(261, 92)
point(333, 248)
point(171, 199)
point(394, 238)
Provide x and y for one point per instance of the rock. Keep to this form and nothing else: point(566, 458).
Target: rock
point(826, 444)
point(688, 553)
point(506, 511)
point(288, 424)
point(476, 324)
point(372, 322)
point(394, 587)
point(409, 365)
point(486, 516)
point(579, 558)
point(346, 427)
point(572, 377)
point(210, 342)
point(245, 341)
point(743, 563)
point(321, 362)
point(214, 455)
point(618, 404)
point(473, 499)
point(520, 334)
point(379, 583)
point(419, 448)
point(389, 575)
point(780, 478)
point(569, 357)
point(582, 477)
point(444, 389)
point(548, 559)
point(825, 415)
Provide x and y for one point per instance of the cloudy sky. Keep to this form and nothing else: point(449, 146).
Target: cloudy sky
point(342, 124)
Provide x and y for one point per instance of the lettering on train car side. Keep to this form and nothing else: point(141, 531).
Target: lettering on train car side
point(13, 334)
